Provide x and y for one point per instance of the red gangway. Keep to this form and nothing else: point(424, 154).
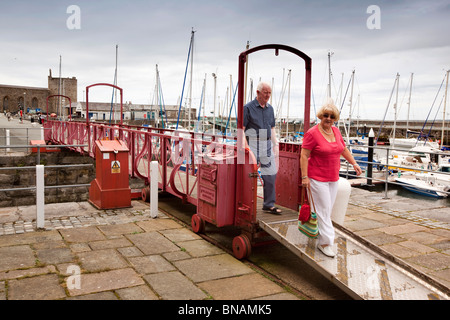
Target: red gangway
point(218, 177)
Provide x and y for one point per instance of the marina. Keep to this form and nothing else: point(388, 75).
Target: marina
point(182, 184)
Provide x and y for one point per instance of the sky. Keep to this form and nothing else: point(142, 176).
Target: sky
point(375, 39)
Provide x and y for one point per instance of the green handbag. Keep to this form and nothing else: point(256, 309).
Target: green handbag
point(310, 228)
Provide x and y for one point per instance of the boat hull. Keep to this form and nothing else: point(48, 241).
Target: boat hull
point(422, 189)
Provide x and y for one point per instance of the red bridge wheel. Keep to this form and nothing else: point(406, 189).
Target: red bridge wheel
point(145, 194)
point(242, 247)
point(198, 224)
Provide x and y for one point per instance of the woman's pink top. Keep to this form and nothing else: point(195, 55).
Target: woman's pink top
point(324, 160)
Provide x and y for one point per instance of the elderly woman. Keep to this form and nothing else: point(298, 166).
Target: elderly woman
point(322, 149)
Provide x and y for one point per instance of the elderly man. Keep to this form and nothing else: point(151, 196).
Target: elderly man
point(259, 128)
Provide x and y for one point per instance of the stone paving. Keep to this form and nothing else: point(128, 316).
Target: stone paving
point(124, 254)
point(401, 227)
point(119, 254)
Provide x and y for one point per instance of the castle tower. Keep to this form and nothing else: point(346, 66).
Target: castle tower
point(63, 86)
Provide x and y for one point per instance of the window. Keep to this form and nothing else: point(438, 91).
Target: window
point(6, 104)
point(34, 103)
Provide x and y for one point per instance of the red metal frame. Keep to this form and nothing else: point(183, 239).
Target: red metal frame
point(60, 95)
point(103, 84)
point(241, 188)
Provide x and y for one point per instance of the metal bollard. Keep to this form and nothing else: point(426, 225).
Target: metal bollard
point(8, 140)
point(370, 158)
point(154, 189)
point(40, 196)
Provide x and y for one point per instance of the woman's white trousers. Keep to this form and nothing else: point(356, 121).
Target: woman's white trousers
point(324, 195)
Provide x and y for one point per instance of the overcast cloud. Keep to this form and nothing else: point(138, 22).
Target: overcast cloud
point(413, 38)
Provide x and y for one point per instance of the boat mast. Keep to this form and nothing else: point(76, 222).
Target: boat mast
point(289, 94)
point(59, 91)
point(409, 104)
point(395, 111)
point(192, 69)
point(157, 98)
point(329, 73)
point(246, 70)
point(350, 105)
point(204, 105)
point(214, 112)
point(443, 115)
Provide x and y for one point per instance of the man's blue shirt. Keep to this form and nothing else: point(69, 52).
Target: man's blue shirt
point(257, 118)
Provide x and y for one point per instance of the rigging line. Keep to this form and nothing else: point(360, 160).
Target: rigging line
point(112, 99)
point(229, 115)
point(161, 98)
point(385, 112)
point(281, 99)
point(199, 110)
point(184, 81)
point(342, 106)
point(315, 111)
point(426, 120)
point(434, 120)
point(115, 83)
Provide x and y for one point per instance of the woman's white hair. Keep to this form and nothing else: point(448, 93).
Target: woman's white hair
point(328, 107)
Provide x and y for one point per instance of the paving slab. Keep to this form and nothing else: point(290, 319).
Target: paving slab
point(137, 293)
point(120, 229)
point(434, 261)
point(200, 248)
point(158, 224)
point(16, 257)
point(244, 287)
point(118, 242)
point(101, 296)
point(82, 234)
point(174, 286)
point(29, 238)
point(100, 260)
point(152, 243)
point(151, 264)
point(44, 287)
point(22, 273)
point(106, 281)
point(212, 267)
point(54, 255)
point(177, 235)
point(364, 224)
point(404, 228)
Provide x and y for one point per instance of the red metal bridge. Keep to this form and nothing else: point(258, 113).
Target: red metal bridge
point(211, 172)
point(219, 177)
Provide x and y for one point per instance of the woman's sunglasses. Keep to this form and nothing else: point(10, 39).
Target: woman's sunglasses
point(331, 116)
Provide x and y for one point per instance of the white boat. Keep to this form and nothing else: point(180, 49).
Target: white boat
point(440, 177)
point(408, 143)
point(423, 187)
point(416, 159)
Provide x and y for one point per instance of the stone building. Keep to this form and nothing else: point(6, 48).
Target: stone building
point(13, 98)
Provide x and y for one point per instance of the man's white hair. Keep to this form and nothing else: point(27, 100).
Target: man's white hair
point(261, 85)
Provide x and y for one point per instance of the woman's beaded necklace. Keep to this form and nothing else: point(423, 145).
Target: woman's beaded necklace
point(323, 130)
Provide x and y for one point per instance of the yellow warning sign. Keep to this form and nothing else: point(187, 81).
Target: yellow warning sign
point(115, 166)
